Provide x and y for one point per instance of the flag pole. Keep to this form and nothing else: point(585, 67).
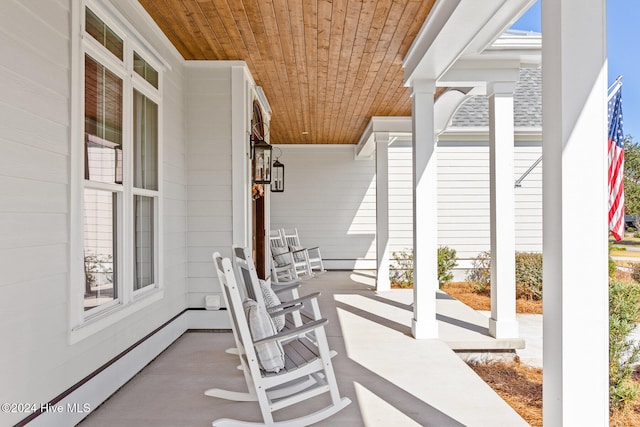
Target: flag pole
point(614, 87)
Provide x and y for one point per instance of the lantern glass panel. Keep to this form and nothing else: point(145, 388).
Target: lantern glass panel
point(262, 163)
point(277, 170)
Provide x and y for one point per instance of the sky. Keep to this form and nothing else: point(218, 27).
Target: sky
point(623, 17)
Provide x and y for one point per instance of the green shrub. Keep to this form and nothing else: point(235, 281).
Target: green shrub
point(635, 271)
point(624, 311)
point(401, 271)
point(529, 275)
point(631, 229)
point(636, 234)
point(612, 263)
point(446, 263)
point(480, 273)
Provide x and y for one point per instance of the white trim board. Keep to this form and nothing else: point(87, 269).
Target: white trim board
point(349, 264)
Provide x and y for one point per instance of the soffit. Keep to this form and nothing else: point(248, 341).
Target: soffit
point(326, 66)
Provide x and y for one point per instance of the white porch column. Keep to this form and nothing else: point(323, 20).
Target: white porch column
point(241, 103)
point(502, 323)
point(382, 210)
point(575, 213)
point(425, 213)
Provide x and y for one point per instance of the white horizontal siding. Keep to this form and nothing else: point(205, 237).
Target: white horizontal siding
point(400, 199)
point(209, 178)
point(463, 198)
point(330, 198)
point(37, 362)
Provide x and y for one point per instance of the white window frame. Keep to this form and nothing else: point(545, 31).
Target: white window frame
point(84, 324)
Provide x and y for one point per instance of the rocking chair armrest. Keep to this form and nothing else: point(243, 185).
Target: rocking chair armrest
point(287, 286)
point(313, 248)
point(298, 251)
point(280, 254)
point(286, 266)
point(296, 282)
point(277, 309)
point(290, 333)
point(282, 312)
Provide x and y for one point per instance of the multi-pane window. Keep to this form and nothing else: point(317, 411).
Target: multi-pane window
point(103, 34)
point(145, 177)
point(121, 168)
point(144, 242)
point(145, 70)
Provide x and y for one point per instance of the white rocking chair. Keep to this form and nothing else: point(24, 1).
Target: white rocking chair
point(245, 267)
point(287, 264)
point(282, 268)
point(314, 258)
point(287, 294)
point(307, 372)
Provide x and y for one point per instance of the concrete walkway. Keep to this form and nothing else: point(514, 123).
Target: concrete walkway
point(391, 378)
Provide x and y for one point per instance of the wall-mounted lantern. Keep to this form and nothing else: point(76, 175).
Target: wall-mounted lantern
point(277, 171)
point(261, 154)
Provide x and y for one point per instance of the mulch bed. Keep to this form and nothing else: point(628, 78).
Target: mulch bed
point(518, 385)
point(465, 292)
point(521, 387)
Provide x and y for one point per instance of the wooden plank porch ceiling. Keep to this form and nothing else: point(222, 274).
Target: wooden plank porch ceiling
point(326, 66)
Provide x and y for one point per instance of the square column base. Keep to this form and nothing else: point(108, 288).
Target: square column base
point(383, 284)
point(424, 330)
point(503, 328)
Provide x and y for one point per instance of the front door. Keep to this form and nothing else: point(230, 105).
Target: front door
point(258, 204)
point(259, 236)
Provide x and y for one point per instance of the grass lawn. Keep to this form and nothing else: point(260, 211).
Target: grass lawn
point(629, 240)
point(630, 254)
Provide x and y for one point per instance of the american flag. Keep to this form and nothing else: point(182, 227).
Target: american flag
point(616, 164)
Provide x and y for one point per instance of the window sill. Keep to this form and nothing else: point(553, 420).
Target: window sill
point(111, 316)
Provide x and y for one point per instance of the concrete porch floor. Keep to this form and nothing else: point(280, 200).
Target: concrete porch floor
point(391, 378)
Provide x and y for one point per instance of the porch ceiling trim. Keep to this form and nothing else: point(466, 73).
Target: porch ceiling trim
point(366, 145)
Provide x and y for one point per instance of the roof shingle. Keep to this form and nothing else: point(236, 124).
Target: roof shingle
point(527, 104)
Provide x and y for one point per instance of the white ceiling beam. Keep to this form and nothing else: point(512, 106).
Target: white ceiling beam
point(477, 72)
point(458, 27)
